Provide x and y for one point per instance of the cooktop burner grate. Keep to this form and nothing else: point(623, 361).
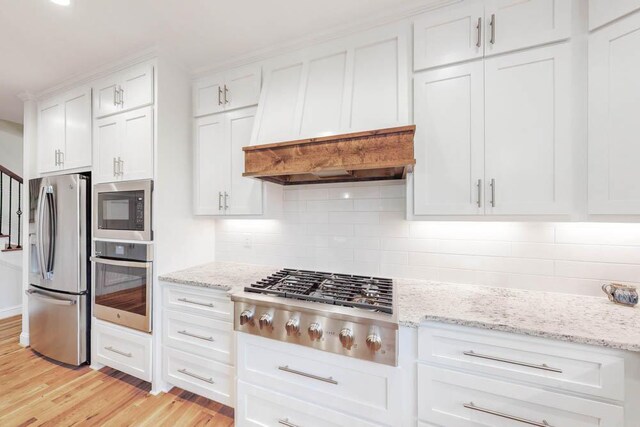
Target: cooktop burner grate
point(370, 293)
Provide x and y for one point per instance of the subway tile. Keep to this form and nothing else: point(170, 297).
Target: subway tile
point(314, 217)
point(366, 255)
point(379, 205)
point(330, 229)
point(329, 205)
point(599, 271)
point(599, 234)
point(291, 194)
point(354, 217)
point(393, 191)
point(394, 257)
point(313, 193)
point(369, 192)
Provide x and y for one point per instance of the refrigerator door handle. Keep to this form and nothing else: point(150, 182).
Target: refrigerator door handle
point(52, 230)
point(40, 233)
point(56, 301)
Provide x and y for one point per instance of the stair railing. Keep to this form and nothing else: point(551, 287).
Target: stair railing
point(15, 180)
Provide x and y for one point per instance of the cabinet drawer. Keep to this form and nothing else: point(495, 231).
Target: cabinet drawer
point(199, 335)
point(123, 350)
point(202, 376)
point(364, 389)
point(456, 399)
point(203, 302)
point(566, 366)
point(258, 406)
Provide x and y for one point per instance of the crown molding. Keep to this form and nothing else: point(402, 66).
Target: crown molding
point(26, 96)
point(389, 16)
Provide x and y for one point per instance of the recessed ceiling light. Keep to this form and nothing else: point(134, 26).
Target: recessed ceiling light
point(61, 2)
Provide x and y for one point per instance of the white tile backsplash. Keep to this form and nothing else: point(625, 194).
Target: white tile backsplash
point(361, 229)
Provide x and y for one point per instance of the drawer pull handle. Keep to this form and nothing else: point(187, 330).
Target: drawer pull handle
point(285, 422)
point(329, 380)
point(471, 406)
point(544, 367)
point(189, 334)
point(189, 301)
point(196, 376)
point(115, 350)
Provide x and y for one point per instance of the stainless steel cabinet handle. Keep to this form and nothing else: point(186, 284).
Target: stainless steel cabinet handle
point(285, 422)
point(479, 30)
point(189, 334)
point(188, 301)
point(61, 157)
point(120, 352)
point(479, 189)
point(492, 23)
point(220, 200)
point(120, 166)
point(56, 301)
point(493, 192)
point(329, 380)
point(471, 406)
point(544, 367)
point(121, 97)
point(219, 95)
point(226, 204)
point(226, 90)
point(115, 167)
point(115, 95)
point(196, 376)
point(56, 157)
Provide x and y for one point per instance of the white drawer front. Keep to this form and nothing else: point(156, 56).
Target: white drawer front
point(204, 302)
point(202, 376)
point(455, 399)
point(199, 335)
point(364, 389)
point(565, 366)
point(258, 406)
point(123, 350)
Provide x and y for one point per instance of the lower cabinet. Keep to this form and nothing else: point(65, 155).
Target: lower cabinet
point(123, 349)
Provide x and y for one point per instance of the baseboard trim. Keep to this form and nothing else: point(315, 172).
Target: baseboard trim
point(24, 339)
point(10, 311)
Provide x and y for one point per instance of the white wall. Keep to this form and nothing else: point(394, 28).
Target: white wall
point(360, 229)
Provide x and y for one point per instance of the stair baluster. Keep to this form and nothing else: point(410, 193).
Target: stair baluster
point(12, 245)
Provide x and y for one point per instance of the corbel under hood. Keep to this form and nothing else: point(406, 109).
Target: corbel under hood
point(361, 156)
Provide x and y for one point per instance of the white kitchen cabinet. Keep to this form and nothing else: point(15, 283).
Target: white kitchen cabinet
point(124, 146)
point(123, 349)
point(124, 91)
point(614, 108)
point(473, 29)
point(354, 84)
point(64, 131)
point(449, 140)
point(602, 12)
point(233, 89)
point(528, 132)
point(220, 187)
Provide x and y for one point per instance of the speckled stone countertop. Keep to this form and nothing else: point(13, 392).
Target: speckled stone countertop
point(227, 276)
point(572, 318)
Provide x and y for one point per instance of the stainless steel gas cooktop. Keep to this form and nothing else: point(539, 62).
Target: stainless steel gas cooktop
point(344, 314)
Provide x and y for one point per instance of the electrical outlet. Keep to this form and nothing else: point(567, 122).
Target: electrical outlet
point(247, 241)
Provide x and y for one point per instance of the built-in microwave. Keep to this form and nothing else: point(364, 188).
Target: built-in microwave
point(122, 210)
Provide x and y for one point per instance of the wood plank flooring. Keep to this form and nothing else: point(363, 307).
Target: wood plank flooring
point(36, 391)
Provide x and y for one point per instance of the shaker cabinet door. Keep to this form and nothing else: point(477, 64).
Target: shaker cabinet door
point(211, 164)
point(208, 95)
point(77, 122)
point(136, 87)
point(107, 148)
point(449, 140)
point(50, 134)
point(136, 145)
point(243, 87)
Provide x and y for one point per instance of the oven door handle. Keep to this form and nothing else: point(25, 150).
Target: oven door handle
point(134, 264)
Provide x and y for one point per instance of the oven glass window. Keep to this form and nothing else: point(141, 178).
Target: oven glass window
point(121, 210)
point(122, 288)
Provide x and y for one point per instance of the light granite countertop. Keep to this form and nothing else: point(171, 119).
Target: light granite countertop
point(565, 317)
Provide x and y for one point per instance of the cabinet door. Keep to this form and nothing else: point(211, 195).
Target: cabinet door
point(136, 146)
point(136, 87)
point(516, 24)
point(50, 134)
point(243, 87)
point(614, 109)
point(77, 123)
point(279, 102)
point(107, 148)
point(208, 95)
point(212, 166)
point(602, 12)
point(245, 194)
point(527, 132)
point(104, 101)
point(449, 141)
point(449, 35)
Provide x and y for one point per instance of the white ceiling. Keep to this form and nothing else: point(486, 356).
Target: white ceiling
point(42, 44)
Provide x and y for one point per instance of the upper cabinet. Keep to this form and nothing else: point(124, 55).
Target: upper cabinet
point(124, 91)
point(475, 28)
point(64, 131)
point(233, 89)
point(602, 12)
point(354, 84)
point(614, 109)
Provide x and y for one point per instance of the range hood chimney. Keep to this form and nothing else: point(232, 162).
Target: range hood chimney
point(361, 156)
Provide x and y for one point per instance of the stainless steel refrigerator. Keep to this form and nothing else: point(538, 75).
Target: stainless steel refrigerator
point(58, 295)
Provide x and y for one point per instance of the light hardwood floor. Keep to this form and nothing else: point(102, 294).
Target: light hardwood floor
point(36, 391)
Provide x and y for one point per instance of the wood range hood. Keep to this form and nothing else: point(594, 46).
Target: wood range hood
point(360, 156)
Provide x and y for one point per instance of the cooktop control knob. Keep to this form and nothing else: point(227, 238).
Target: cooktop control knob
point(246, 317)
point(266, 321)
point(315, 331)
point(374, 342)
point(292, 326)
point(346, 338)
